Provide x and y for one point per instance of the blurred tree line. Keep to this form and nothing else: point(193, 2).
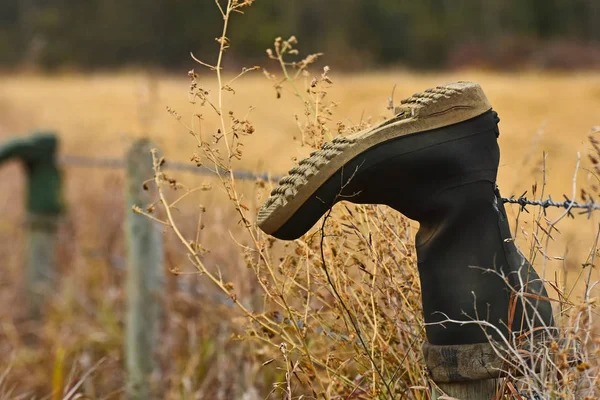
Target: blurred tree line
point(352, 33)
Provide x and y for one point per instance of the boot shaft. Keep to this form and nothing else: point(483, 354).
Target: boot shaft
point(470, 269)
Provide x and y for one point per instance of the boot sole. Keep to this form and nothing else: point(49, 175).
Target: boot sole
point(432, 109)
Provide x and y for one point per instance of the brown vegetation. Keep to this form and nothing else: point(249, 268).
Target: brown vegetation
point(335, 314)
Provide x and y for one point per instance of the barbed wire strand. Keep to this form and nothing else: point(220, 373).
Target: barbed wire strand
point(588, 207)
point(115, 163)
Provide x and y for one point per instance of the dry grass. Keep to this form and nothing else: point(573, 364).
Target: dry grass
point(100, 115)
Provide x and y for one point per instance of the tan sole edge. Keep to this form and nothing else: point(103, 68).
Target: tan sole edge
point(434, 108)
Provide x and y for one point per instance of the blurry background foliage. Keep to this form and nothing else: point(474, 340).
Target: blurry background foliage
point(432, 34)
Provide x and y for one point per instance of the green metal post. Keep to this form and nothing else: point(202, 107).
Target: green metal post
point(44, 205)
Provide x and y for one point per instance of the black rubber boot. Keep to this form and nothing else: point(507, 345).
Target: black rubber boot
point(436, 162)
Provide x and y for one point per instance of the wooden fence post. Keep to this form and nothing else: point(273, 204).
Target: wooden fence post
point(44, 206)
point(145, 279)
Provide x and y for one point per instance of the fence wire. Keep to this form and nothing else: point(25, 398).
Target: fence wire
point(115, 163)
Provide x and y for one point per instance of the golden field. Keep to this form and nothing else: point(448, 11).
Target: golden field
point(99, 115)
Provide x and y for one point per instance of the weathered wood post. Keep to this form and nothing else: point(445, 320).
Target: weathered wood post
point(44, 206)
point(464, 372)
point(145, 278)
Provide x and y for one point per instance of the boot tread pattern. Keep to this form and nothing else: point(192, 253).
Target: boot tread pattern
point(298, 176)
point(431, 95)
